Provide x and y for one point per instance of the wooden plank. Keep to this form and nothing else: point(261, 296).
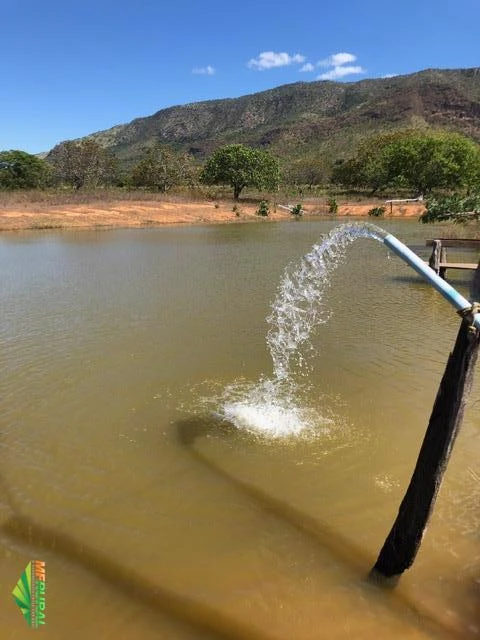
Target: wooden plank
point(468, 243)
point(458, 265)
point(470, 266)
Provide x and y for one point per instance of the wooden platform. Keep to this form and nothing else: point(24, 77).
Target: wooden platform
point(438, 260)
point(458, 265)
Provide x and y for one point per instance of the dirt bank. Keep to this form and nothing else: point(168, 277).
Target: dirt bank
point(143, 213)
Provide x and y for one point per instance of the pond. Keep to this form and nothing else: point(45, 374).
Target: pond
point(158, 518)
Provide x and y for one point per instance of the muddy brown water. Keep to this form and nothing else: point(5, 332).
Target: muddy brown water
point(158, 520)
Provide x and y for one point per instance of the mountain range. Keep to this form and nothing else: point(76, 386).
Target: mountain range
point(321, 118)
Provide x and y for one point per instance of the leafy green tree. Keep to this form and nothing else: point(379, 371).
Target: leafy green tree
point(369, 168)
point(82, 163)
point(239, 167)
point(413, 159)
point(432, 161)
point(162, 168)
point(21, 170)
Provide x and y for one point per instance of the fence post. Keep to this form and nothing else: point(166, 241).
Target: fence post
point(443, 258)
point(403, 541)
point(434, 261)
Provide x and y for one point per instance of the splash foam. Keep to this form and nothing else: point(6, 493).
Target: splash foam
point(270, 409)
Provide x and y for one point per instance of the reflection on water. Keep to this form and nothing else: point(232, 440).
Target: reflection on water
point(157, 519)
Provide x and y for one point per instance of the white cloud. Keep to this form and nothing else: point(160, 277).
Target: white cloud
point(307, 67)
point(337, 60)
point(390, 75)
point(341, 66)
point(340, 72)
point(270, 60)
point(204, 71)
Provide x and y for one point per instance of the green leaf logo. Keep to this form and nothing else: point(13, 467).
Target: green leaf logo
point(22, 593)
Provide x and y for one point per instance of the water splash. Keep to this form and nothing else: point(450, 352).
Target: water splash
point(272, 407)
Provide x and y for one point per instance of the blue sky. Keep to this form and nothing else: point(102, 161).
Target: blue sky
point(72, 68)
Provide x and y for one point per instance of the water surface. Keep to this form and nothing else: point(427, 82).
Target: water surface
point(159, 520)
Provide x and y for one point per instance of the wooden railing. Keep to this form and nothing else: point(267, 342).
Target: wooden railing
point(438, 260)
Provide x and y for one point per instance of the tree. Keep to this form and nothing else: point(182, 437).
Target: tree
point(418, 160)
point(368, 168)
point(239, 167)
point(21, 170)
point(432, 161)
point(453, 208)
point(162, 168)
point(307, 171)
point(83, 163)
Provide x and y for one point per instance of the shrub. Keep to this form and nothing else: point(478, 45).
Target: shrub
point(377, 212)
point(454, 208)
point(332, 205)
point(263, 208)
point(297, 210)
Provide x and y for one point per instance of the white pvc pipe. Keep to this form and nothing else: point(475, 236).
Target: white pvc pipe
point(445, 289)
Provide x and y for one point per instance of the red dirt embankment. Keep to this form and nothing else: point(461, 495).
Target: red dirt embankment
point(143, 213)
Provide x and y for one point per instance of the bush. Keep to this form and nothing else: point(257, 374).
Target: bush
point(297, 210)
point(263, 208)
point(332, 205)
point(377, 212)
point(454, 208)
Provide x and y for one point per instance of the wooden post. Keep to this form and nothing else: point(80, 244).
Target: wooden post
point(443, 258)
point(403, 541)
point(475, 286)
point(434, 261)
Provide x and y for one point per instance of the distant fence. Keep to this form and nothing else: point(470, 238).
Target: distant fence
point(392, 202)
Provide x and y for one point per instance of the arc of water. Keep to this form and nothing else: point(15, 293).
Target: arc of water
point(298, 306)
